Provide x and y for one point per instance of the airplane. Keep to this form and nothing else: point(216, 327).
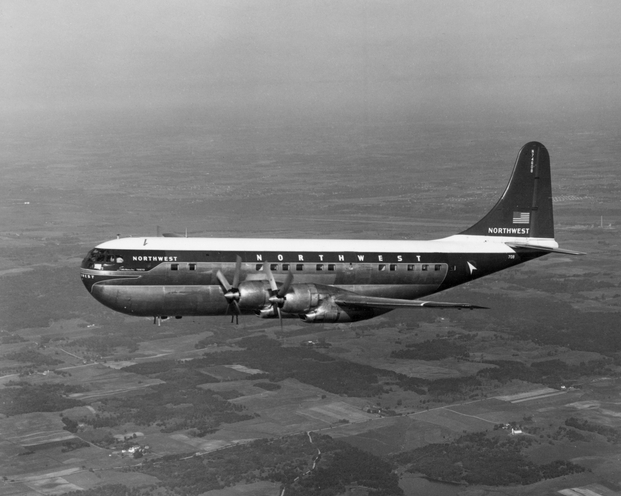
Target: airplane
point(324, 280)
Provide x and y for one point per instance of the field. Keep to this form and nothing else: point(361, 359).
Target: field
point(76, 379)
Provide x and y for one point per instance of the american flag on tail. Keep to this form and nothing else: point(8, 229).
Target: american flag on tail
point(521, 217)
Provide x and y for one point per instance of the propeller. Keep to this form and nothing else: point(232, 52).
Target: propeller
point(277, 295)
point(231, 291)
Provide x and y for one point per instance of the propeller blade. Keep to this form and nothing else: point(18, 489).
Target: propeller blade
point(236, 307)
point(277, 296)
point(279, 316)
point(231, 293)
point(270, 276)
point(237, 274)
point(223, 281)
point(284, 289)
point(235, 313)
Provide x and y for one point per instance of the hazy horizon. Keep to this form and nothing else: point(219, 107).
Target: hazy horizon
point(275, 61)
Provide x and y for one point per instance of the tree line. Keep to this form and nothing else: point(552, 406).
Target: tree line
point(478, 458)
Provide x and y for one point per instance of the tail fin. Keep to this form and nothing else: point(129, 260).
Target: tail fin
point(525, 208)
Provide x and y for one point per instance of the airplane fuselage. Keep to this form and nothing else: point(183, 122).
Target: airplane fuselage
point(325, 280)
point(177, 276)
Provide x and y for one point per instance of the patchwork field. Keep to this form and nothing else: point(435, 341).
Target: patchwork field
point(78, 381)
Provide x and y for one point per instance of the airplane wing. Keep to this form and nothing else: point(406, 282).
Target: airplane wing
point(355, 300)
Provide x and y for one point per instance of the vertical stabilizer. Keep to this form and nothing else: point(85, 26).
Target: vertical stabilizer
point(525, 208)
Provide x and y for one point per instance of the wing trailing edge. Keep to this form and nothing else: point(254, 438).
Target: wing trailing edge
point(355, 300)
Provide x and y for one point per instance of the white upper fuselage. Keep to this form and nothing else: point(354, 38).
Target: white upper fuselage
point(453, 244)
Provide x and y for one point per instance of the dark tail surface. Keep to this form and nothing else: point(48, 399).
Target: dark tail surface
point(525, 208)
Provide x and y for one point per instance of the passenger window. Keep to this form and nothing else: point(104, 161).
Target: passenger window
point(174, 266)
point(274, 266)
point(438, 267)
point(331, 267)
point(319, 266)
point(259, 267)
point(381, 267)
point(192, 266)
point(411, 267)
point(285, 266)
point(424, 267)
point(393, 267)
point(299, 267)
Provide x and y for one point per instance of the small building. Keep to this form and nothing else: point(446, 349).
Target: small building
point(315, 344)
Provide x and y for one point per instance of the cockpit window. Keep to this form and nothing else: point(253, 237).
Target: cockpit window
point(99, 259)
point(95, 255)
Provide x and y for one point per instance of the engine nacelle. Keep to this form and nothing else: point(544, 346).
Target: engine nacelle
point(329, 312)
point(253, 294)
point(266, 313)
point(313, 303)
point(300, 299)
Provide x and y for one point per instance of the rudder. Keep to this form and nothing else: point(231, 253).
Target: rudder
point(525, 207)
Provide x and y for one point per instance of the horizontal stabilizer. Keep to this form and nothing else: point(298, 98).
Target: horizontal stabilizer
point(354, 300)
point(547, 249)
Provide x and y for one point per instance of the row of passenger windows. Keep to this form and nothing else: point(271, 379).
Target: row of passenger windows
point(332, 267)
point(175, 266)
point(329, 267)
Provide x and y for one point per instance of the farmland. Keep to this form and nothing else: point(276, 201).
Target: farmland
point(80, 385)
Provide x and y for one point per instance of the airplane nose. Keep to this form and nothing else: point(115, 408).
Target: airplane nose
point(87, 279)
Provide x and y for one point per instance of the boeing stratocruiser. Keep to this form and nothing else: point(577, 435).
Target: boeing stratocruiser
point(324, 280)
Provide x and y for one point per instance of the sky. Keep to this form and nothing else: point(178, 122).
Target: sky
point(319, 58)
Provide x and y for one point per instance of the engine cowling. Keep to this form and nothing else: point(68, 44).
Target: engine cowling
point(313, 303)
point(330, 312)
point(323, 309)
point(253, 294)
point(300, 299)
